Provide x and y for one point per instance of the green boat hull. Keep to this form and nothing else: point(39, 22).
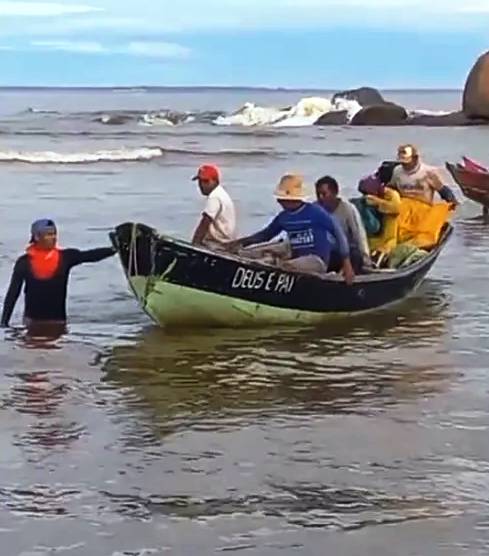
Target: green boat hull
point(180, 285)
point(171, 305)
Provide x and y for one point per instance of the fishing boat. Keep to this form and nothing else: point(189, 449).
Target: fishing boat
point(473, 180)
point(180, 285)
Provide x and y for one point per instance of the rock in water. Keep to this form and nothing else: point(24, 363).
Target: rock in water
point(366, 96)
point(381, 114)
point(339, 117)
point(476, 92)
point(454, 119)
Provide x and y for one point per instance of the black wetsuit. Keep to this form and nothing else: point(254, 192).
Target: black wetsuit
point(45, 300)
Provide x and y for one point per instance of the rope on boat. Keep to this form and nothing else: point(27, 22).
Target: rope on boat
point(133, 255)
point(132, 264)
point(133, 269)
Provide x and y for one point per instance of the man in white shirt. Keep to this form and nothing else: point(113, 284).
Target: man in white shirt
point(417, 180)
point(217, 225)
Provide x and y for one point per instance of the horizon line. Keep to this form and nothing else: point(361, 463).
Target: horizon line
point(223, 87)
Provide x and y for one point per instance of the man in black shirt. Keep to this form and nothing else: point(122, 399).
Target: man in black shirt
point(44, 270)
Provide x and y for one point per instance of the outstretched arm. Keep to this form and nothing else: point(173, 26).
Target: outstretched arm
point(76, 257)
point(13, 293)
point(268, 233)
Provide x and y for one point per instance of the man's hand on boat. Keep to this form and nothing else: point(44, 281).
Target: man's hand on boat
point(346, 265)
point(348, 272)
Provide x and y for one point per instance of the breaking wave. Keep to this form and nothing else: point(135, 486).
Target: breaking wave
point(40, 111)
point(305, 113)
point(49, 157)
point(160, 118)
point(270, 153)
point(143, 154)
point(166, 118)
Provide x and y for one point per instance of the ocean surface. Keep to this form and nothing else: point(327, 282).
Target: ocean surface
point(366, 437)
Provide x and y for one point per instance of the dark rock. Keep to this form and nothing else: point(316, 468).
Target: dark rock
point(366, 96)
point(381, 114)
point(446, 120)
point(333, 118)
point(476, 91)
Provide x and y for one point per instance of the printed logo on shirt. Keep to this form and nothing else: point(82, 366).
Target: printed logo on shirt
point(412, 186)
point(301, 238)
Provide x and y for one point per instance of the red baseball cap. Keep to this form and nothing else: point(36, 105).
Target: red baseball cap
point(208, 172)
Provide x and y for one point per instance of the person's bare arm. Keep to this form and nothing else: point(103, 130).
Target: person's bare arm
point(202, 229)
point(435, 180)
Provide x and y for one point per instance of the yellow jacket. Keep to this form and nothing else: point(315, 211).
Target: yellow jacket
point(420, 223)
point(389, 205)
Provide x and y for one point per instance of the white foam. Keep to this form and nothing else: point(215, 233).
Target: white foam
point(305, 113)
point(251, 115)
point(350, 106)
point(420, 112)
point(165, 119)
point(114, 119)
point(155, 119)
point(41, 111)
point(49, 157)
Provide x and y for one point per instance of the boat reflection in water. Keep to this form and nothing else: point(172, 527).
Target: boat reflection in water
point(193, 378)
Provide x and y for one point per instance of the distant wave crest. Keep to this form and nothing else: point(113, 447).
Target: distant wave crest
point(50, 157)
point(143, 154)
point(302, 114)
point(40, 111)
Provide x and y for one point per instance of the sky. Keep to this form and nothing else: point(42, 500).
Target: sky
point(325, 44)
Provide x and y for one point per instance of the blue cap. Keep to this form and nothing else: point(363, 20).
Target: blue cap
point(42, 226)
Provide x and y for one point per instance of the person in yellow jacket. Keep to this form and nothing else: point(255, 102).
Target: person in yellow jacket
point(387, 203)
point(421, 218)
point(406, 220)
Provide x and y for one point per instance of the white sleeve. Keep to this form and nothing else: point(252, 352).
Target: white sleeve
point(212, 207)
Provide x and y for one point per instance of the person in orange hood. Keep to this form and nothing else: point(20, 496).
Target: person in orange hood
point(44, 270)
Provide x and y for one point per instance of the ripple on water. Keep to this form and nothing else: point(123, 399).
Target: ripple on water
point(302, 504)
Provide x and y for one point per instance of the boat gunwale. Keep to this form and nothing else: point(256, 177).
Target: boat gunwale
point(457, 171)
point(382, 275)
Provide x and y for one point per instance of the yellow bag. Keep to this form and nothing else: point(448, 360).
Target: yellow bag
point(420, 223)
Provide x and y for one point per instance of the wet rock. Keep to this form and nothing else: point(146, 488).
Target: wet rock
point(476, 92)
point(381, 114)
point(453, 119)
point(333, 118)
point(366, 96)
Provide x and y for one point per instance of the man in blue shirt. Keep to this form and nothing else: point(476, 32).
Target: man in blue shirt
point(312, 232)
